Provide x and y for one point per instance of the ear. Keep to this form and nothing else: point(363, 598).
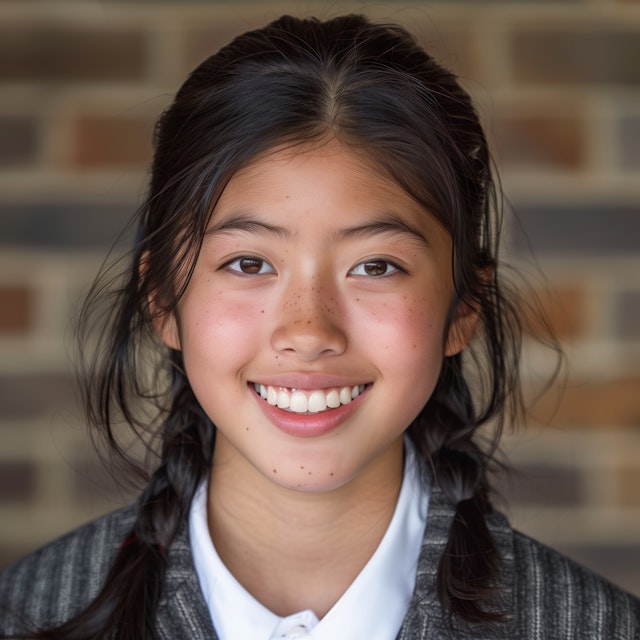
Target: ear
point(462, 329)
point(166, 327)
point(164, 322)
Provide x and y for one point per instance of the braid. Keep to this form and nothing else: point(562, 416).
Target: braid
point(444, 435)
point(125, 607)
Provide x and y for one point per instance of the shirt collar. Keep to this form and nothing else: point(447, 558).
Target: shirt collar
point(386, 583)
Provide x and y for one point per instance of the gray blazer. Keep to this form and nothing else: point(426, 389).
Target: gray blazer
point(547, 596)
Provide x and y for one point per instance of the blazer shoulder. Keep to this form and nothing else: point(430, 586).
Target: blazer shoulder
point(55, 582)
point(564, 599)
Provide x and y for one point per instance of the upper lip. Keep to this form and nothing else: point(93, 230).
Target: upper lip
point(308, 381)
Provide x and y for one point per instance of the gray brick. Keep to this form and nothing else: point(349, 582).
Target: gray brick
point(24, 396)
point(627, 315)
point(617, 563)
point(17, 481)
point(63, 225)
point(9, 553)
point(576, 229)
point(19, 141)
point(628, 133)
point(548, 486)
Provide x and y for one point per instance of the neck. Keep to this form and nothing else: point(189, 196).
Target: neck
point(311, 545)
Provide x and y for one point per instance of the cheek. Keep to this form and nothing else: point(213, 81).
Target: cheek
point(410, 327)
point(219, 326)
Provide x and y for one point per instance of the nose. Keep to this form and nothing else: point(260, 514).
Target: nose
point(309, 324)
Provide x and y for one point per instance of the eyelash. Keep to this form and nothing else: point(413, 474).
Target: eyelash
point(251, 259)
point(389, 267)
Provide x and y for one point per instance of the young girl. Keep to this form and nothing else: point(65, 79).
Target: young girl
point(315, 310)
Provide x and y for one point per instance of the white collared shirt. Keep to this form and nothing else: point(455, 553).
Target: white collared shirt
point(373, 606)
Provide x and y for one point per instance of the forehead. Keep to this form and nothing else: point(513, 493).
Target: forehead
point(333, 174)
point(322, 195)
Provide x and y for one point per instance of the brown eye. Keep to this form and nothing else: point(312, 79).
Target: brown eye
point(250, 265)
point(375, 267)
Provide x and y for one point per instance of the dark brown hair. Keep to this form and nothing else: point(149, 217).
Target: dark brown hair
point(298, 81)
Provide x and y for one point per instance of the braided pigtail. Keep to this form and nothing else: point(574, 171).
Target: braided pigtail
point(468, 568)
point(125, 607)
point(446, 434)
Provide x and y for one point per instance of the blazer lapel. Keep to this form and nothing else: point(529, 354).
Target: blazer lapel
point(426, 619)
point(183, 612)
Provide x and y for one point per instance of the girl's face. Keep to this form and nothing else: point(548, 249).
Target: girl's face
point(314, 326)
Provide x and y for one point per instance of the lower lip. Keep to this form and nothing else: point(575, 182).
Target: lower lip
point(309, 425)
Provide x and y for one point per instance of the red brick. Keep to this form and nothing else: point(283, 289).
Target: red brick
point(543, 141)
point(628, 485)
point(203, 42)
point(70, 54)
point(16, 309)
point(452, 44)
point(564, 310)
point(596, 404)
point(543, 53)
point(100, 141)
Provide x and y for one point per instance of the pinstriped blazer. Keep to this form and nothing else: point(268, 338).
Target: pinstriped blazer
point(547, 596)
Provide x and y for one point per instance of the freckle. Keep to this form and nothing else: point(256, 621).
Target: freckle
point(302, 467)
point(275, 471)
point(310, 473)
point(331, 474)
point(261, 310)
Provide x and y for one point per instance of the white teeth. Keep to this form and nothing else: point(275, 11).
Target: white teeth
point(345, 395)
point(299, 403)
point(308, 402)
point(333, 399)
point(317, 401)
point(283, 400)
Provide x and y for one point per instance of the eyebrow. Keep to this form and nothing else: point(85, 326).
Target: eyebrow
point(383, 224)
point(386, 223)
point(245, 221)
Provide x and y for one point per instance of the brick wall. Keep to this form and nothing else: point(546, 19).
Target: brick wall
point(558, 84)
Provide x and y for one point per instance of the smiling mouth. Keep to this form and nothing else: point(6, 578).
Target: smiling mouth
point(308, 401)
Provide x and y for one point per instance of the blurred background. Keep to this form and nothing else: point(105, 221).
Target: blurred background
point(558, 87)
